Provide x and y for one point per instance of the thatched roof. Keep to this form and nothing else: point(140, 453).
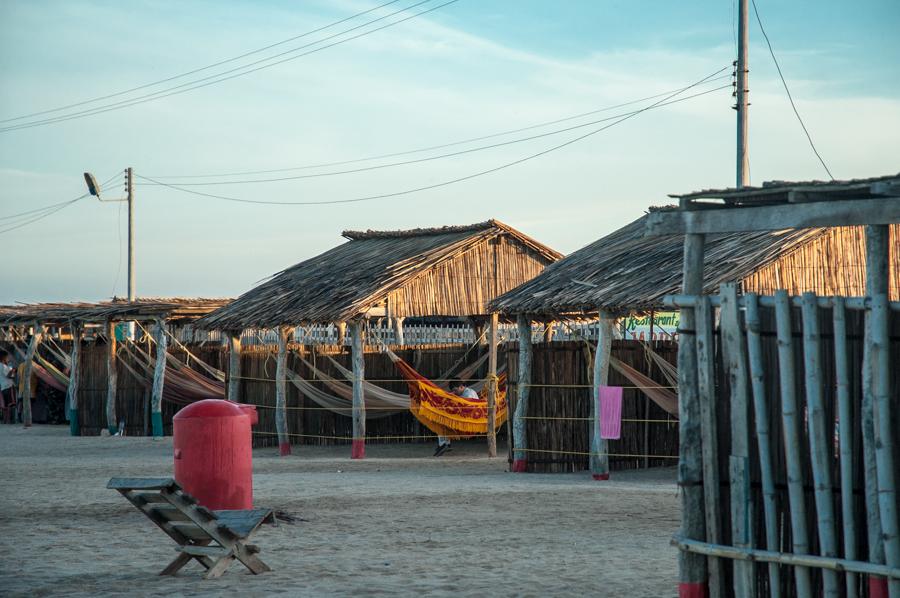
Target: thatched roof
point(174, 309)
point(350, 279)
point(626, 271)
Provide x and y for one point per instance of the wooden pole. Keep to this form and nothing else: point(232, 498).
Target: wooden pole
point(885, 426)
point(159, 378)
point(341, 333)
point(358, 448)
point(284, 444)
point(29, 368)
point(548, 332)
point(692, 568)
point(234, 366)
point(735, 357)
point(820, 449)
point(492, 388)
point(112, 378)
point(523, 390)
point(74, 380)
point(790, 425)
point(599, 460)
point(709, 437)
point(845, 442)
point(398, 331)
point(763, 437)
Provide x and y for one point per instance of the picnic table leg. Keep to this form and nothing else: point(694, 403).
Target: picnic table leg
point(177, 563)
point(219, 567)
point(250, 560)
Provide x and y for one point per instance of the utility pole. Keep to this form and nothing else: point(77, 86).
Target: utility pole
point(741, 91)
point(129, 182)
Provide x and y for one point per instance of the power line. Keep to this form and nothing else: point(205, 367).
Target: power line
point(443, 183)
point(441, 156)
point(200, 69)
point(788, 91)
point(186, 87)
point(429, 148)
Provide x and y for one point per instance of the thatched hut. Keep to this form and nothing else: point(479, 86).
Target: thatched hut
point(453, 271)
point(626, 272)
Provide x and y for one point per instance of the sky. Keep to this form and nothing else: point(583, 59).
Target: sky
point(466, 70)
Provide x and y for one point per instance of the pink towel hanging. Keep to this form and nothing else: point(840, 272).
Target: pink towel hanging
point(610, 412)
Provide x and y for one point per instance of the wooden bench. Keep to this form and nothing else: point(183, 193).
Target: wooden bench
point(215, 539)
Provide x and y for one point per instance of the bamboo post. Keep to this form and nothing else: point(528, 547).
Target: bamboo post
point(763, 440)
point(29, 368)
point(735, 358)
point(706, 391)
point(159, 378)
point(845, 440)
point(398, 331)
point(492, 388)
point(692, 568)
point(341, 333)
point(112, 378)
point(548, 332)
point(234, 366)
point(358, 448)
point(819, 433)
point(284, 444)
point(790, 423)
point(523, 390)
point(599, 460)
point(74, 380)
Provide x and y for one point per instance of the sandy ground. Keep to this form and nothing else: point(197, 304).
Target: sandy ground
point(398, 523)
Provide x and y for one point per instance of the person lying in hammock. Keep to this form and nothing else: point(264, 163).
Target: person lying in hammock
point(459, 388)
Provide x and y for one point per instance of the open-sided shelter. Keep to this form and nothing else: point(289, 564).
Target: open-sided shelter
point(452, 271)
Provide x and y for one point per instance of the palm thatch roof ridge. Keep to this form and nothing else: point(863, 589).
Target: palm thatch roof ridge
point(181, 309)
point(350, 279)
point(626, 271)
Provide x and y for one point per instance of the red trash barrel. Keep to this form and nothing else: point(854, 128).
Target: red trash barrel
point(214, 453)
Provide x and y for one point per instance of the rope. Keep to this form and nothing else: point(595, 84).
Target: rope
point(588, 454)
point(430, 436)
point(646, 421)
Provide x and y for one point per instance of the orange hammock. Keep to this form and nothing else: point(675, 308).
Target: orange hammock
point(445, 413)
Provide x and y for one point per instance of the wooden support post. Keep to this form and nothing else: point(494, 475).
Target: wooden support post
point(492, 388)
point(284, 443)
point(27, 374)
point(735, 358)
point(523, 390)
point(820, 449)
point(159, 378)
point(358, 448)
point(599, 460)
point(706, 391)
point(341, 332)
point(548, 332)
point(234, 366)
point(790, 417)
point(884, 422)
point(845, 440)
point(398, 331)
point(74, 380)
point(112, 378)
point(692, 569)
point(763, 436)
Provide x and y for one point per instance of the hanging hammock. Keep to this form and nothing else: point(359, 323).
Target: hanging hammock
point(657, 393)
point(182, 384)
point(445, 413)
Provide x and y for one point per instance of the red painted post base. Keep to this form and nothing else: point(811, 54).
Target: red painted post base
point(284, 448)
point(878, 587)
point(600, 476)
point(358, 449)
point(519, 466)
point(693, 590)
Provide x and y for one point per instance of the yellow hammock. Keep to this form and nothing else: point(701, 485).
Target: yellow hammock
point(445, 413)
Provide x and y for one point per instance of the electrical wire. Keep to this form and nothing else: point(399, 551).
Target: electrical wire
point(440, 156)
point(201, 69)
point(212, 79)
point(788, 91)
point(442, 183)
point(429, 148)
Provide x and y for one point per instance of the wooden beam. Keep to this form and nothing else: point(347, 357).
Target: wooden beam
point(357, 343)
point(28, 373)
point(112, 378)
point(74, 380)
point(599, 459)
point(775, 217)
point(159, 378)
point(523, 390)
point(234, 365)
point(398, 330)
point(284, 444)
point(492, 387)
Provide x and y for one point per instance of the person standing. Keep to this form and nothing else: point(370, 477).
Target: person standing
point(7, 392)
point(458, 388)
